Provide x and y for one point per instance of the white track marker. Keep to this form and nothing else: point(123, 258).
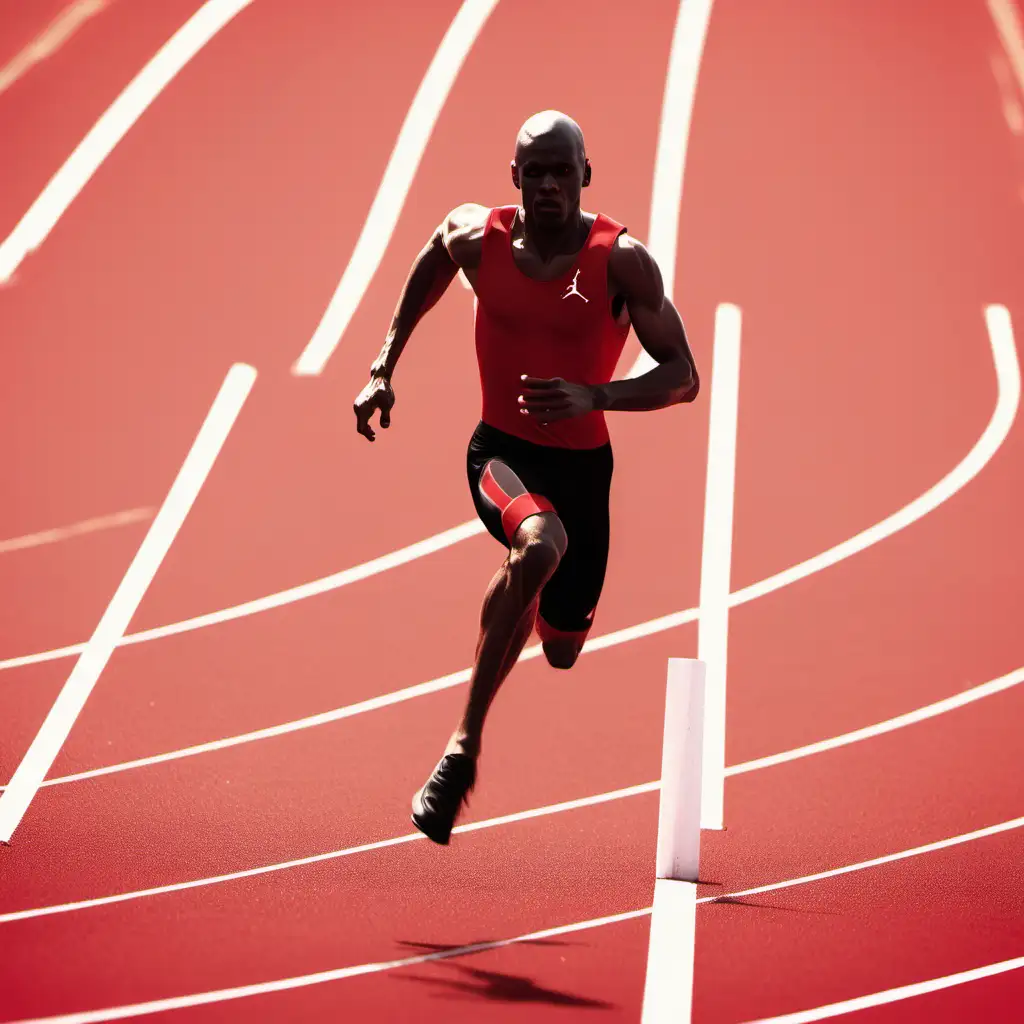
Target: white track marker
point(668, 987)
point(30, 774)
point(51, 39)
point(673, 139)
point(395, 184)
point(1004, 353)
point(1011, 33)
point(716, 555)
point(181, 1002)
point(34, 540)
point(679, 811)
point(894, 995)
point(107, 132)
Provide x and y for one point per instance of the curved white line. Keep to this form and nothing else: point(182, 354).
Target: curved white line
point(893, 995)
point(395, 184)
point(1004, 352)
point(1008, 375)
point(107, 132)
point(940, 707)
point(932, 710)
point(302, 981)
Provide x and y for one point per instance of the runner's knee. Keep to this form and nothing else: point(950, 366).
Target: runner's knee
point(537, 547)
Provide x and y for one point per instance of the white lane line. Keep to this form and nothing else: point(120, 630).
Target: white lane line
point(261, 988)
point(395, 184)
point(889, 858)
point(107, 132)
point(473, 826)
point(284, 984)
point(1004, 353)
point(1011, 34)
point(59, 533)
point(50, 40)
point(893, 995)
point(58, 723)
point(1008, 383)
point(716, 557)
point(940, 707)
point(931, 711)
point(673, 139)
point(419, 549)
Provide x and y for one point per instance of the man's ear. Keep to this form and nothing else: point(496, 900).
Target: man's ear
point(586, 173)
point(515, 173)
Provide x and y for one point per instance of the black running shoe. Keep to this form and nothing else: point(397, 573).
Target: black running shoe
point(436, 806)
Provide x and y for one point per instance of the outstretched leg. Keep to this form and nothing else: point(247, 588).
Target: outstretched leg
point(538, 543)
point(506, 620)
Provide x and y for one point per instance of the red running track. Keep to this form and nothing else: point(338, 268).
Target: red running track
point(853, 185)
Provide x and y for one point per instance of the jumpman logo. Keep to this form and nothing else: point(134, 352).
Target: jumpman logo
point(573, 290)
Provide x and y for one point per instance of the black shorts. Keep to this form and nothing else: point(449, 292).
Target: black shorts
point(578, 483)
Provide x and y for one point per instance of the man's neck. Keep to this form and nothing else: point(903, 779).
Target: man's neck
point(548, 243)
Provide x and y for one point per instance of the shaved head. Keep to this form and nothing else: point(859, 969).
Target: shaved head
point(550, 168)
point(551, 125)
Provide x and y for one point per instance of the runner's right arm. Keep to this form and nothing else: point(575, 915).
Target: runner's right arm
point(450, 247)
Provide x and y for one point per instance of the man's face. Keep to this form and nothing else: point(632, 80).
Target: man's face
point(551, 172)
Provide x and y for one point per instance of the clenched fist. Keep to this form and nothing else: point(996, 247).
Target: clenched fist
point(377, 395)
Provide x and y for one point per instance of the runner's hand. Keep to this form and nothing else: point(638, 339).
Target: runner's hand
point(547, 400)
point(377, 395)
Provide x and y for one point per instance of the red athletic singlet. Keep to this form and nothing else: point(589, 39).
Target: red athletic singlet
point(559, 328)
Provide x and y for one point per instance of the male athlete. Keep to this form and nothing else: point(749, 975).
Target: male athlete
point(557, 290)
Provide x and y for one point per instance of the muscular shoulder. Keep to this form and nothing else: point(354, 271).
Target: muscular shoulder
point(634, 272)
point(462, 232)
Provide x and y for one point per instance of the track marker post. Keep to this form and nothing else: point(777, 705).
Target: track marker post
point(668, 990)
point(716, 553)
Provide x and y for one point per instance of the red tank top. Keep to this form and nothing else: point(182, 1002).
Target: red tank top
point(558, 328)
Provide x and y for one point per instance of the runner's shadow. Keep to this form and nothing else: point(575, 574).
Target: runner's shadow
point(504, 988)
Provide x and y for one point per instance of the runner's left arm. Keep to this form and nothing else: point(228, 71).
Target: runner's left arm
point(660, 331)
